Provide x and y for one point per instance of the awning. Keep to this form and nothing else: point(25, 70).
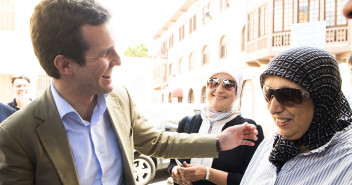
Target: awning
point(178, 92)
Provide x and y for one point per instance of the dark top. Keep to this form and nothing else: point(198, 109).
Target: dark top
point(5, 111)
point(14, 105)
point(234, 161)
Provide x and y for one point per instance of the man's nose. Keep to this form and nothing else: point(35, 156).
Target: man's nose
point(115, 58)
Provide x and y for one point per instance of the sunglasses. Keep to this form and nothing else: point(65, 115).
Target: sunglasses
point(289, 97)
point(227, 84)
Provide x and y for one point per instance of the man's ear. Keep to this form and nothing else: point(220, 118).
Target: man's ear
point(63, 64)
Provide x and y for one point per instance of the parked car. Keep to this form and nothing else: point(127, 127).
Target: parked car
point(163, 117)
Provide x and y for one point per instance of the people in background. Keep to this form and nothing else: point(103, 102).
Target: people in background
point(313, 144)
point(20, 87)
point(220, 112)
point(5, 111)
point(82, 130)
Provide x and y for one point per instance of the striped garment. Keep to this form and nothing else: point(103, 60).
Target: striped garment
point(328, 164)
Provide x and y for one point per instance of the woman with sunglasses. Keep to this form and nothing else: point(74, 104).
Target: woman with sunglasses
point(223, 89)
point(313, 145)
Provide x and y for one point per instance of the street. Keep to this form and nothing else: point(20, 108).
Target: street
point(160, 177)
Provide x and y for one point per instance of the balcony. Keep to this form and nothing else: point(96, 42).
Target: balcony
point(259, 50)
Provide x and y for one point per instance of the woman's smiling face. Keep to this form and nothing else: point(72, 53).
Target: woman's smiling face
point(219, 98)
point(293, 122)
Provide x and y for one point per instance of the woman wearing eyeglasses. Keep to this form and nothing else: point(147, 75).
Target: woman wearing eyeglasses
point(313, 145)
point(223, 89)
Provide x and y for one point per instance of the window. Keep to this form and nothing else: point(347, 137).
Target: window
point(192, 61)
point(164, 50)
point(190, 96)
point(43, 82)
point(224, 4)
point(179, 99)
point(252, 28)
point(333, 13)
point(263, 20)
point(5, 86)
point(205, 55)
point(243, 37)
point(181, 32)
point(170, 98)
point(283, 15)
point(308, 11)
point(171, 41)
point(7, 15)
point(206, 13)
point(180, 66)
point(170, 69)
point(194, 23)
point(190, 26)
point(223, 47)
point(203, 96)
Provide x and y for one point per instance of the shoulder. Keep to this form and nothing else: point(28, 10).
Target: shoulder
point(119, 92)
point(241, 120)
point(190, 120)
point(121, 95)
point(6, 109)
point(23, 123)
point(343, 140)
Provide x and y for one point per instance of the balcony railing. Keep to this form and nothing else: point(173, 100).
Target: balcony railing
point(281, 39)
point(334, 35)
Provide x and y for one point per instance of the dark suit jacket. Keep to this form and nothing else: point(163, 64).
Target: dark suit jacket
point(5, 111)
point(14, 105)
point(34, 148)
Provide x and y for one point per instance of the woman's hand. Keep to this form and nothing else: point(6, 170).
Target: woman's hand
point(193, 172)
point(177, 176)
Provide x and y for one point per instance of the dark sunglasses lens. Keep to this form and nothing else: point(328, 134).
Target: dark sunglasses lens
point(229, 85)
point(213, 82)
point(289, 97)
point(267, 94)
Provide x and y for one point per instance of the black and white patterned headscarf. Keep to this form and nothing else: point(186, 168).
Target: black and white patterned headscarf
point(318, 72)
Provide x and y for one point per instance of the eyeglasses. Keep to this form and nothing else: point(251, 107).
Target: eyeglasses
point(289, 97)
point(227, 84)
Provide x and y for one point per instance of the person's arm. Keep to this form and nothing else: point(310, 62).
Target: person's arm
point(15, 166)
point(237, 135)
point(156, 143)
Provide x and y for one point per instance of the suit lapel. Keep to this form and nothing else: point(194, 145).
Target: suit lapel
point(123, 131)
point(54, 139)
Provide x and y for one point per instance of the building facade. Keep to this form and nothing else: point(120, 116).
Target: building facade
point(248, 33)
point(17, 56)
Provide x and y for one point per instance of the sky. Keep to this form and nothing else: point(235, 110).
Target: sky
point(133, 21)
point(137, 21)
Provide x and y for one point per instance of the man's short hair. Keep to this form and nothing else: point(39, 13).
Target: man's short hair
point(55, 28)
point(13, 78)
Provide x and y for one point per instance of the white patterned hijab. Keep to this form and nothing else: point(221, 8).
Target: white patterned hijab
point(232, 70)
point(318, 72)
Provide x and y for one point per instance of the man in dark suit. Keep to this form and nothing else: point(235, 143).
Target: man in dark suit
point(20, 86)
point(5, 111)
point(82, 130)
